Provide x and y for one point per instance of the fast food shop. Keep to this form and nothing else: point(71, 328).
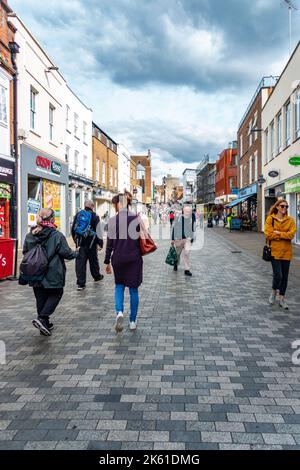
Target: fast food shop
point(44, 183)
point(6, 180)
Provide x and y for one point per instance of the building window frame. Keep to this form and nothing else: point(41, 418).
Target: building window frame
point(76, 117)
point(3, 105)
point(76, 160)
point(279, 132)
point(288, 136)
point(84, 132)
point(297, 114)
point(33, 106)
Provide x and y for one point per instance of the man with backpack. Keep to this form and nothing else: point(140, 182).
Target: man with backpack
point(43, 267)
point(84, 233)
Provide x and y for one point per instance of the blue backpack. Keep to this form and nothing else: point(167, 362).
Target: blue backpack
point(83, 224)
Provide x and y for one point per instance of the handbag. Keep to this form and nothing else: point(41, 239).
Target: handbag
point(147, 244)
point(172, 258)
point(267, 252)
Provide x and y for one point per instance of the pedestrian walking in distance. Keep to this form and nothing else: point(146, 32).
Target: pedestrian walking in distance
point(85, 236)
point(46, 246)
point(182, 236)
point(123, 252)
point(280, 229)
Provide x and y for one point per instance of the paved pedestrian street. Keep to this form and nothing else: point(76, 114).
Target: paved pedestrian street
point(210, 366)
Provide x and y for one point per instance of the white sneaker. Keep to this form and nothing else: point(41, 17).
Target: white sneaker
point(272, 299)
point(132, 325)
point(119, 322)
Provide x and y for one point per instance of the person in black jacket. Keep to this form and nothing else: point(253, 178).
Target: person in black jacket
point(49, 291)
point(88, 250)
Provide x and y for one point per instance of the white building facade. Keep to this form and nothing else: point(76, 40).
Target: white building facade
point(189, 185)
point(78, 151)
point(281, 141)
point(123, 168)
point(43, 170)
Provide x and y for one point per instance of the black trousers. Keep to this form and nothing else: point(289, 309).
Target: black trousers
point(281, 270)
point(46, 301)
point(87, 254)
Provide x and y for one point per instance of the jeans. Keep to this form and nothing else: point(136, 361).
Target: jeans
point(134, 300)
point(280, 275)
point(46, 301)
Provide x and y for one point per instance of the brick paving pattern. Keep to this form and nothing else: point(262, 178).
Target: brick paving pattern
point(210, 366)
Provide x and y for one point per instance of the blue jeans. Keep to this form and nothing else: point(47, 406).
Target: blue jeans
point(134, 300)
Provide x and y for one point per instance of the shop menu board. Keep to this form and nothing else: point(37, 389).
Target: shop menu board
point(52, 199)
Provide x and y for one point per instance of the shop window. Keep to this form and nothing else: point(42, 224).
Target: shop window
point(5, 197)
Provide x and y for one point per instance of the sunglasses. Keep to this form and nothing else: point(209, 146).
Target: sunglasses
point(283, 206)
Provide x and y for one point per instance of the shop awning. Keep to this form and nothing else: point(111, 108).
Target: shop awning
point(238, 201)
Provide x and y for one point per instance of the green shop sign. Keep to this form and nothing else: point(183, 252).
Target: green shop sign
point(292, 186)
point(295, 161)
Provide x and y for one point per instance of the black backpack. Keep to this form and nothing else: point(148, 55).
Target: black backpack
point(34, 265)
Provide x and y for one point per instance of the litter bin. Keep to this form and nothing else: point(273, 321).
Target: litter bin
point(6, 257)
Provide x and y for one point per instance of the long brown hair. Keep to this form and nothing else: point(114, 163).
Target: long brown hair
point(116, 199)
point(274, 209)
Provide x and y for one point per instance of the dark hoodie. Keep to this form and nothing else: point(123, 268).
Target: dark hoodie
point(57, 250)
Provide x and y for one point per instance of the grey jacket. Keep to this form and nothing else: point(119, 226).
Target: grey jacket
point(57, 250)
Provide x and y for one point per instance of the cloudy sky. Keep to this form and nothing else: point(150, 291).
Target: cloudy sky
point(174, 76)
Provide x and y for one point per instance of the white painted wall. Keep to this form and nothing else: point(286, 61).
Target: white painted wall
point(5, 121)
point(285, 91)
point(123, 168)
point(80, 143)
point(50, 86)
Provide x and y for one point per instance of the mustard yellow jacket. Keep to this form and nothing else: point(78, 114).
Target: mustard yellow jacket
point(281, 245)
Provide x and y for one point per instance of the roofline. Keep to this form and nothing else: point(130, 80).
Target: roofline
point(79, 99)
point(282, 73)
point(14, 15)
point(189, 169)
point(106, 135)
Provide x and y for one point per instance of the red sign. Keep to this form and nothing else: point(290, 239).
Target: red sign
point(6, 257)
point(43, 162)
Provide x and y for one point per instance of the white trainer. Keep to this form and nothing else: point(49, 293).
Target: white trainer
point(119, 322)
point(283, 304)
point(272, 299)
point(132, 325)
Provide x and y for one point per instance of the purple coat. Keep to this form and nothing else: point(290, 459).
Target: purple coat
point(123, 249)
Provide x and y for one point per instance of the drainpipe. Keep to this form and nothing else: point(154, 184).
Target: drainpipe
point(14, 49)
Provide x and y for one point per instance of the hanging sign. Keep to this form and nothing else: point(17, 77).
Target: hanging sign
point(295, 161)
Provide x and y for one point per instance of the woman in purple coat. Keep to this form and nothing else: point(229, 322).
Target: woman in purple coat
point(124, 253)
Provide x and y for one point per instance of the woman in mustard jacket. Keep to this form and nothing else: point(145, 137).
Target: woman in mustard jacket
point(280, 229)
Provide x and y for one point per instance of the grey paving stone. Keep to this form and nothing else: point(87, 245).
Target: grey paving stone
point(280, 439)
point(185, 436)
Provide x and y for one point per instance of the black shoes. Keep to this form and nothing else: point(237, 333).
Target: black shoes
point(80, 287)
point(188, 273)
point(100, 278)
point(42, 326)
point(175, 267)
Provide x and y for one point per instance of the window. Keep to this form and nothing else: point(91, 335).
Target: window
point(67, 153)
point(85, 163)
point(250, 135)
point(116, 178)
point(3, 104)
point(76, 155)
point(288, 124)
point(266, 146)
point(250, 169)
point(279, 132)
point(256, 166)
point(76, 125)
point(241, 176)
point(68, 118)
point(241, 146)
point(97, 170)
point(297, 115)
point(103, 173)
point(84, 132)
point(33, 97)
point(272, 140)
point(111, 176)
point(254, 126)
point(51, 121)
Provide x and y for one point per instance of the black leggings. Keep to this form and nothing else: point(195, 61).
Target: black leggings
point(280, 275)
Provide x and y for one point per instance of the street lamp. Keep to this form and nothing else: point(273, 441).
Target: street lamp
point(164, 184)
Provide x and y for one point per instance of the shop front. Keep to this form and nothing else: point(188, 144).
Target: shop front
point(6, 182)
point(248, 209)
point(292, 191)
point(44, 183)
point(80, 189)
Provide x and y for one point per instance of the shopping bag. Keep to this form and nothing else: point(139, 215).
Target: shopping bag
point(172, 259)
